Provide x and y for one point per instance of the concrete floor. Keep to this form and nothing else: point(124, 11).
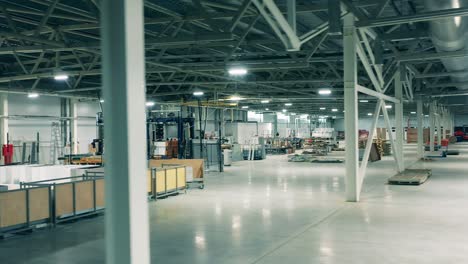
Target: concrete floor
point(273, 211)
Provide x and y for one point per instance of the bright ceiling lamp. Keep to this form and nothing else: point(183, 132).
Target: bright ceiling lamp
point(293, 114)
point(198, 93)
point(235, 98)
point(264, 101)
point(267, 109)
point(150, 103)
point(413, 113)
point(363, 101)
point(287, 104)
point(323, 108)
point(61, 77)
point(245, 107)
point(369, 114)
point(324, 92)
point(284, 110)
point(101, 101)
point(33, 95)
point(237, 71)
point(388, 106)
point(334, 110)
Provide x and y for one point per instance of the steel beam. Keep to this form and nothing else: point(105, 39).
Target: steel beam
point(420, 17)
point(351, 109)
point(399, 117)
point(431, 127)
point(74, 126)
point(127, 227)
point(420, 115)
point(379, 95)
point(3, 119)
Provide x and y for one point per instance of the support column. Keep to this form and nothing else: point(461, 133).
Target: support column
point(420, 114)
point(439, 130)
point(127, 231)
point(74, 126)
point(275, 125)
point(351, 109)
point(399, 118)
point(4, 119)
point(444, 124)
point(431, 127)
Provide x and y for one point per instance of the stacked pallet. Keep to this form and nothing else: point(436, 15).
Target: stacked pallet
point(412, 135)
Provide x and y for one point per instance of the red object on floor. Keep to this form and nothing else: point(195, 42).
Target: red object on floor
point(7, 152)
point(444, 142)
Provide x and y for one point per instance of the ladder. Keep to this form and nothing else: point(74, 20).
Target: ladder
point(55, 143)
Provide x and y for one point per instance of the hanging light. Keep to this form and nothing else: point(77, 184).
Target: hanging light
point(324, 92)
point(237, 71)
point(33, 95)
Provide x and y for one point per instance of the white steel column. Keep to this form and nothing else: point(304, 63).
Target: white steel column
point(438, 122)
point(4, 119)
point(127, 231)
point(399, 118)
point(74, 126)
point(420, 114)
point(351, 109)
point(432, 127)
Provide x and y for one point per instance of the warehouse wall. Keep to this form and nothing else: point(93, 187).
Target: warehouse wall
point(461, 120)
point(366, 122)
point(23, 129)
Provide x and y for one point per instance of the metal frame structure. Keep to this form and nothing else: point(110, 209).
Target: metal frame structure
point(291, 50)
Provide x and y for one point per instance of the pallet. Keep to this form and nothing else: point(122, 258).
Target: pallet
point(411, 177)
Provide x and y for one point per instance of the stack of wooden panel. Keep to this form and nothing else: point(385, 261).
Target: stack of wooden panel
point(412, 135)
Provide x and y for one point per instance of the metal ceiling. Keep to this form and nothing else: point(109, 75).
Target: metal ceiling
point(190, 44)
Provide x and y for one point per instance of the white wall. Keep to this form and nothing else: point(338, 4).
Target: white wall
point(23, 129)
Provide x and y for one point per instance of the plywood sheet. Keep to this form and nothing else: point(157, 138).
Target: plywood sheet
point(84, 196)
point(12, 208)
point(100, 193)
point(149, 189)
point(171, 179)
point(160, 181)
point(196, 164)
point(63, 199)
point(39, 204)
point(181, 182)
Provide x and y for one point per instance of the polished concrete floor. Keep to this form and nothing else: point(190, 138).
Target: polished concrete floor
point(273, 211)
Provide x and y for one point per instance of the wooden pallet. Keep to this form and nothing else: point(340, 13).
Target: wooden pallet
point(411, 177)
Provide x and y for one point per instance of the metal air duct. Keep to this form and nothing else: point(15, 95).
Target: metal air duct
point(450, 34)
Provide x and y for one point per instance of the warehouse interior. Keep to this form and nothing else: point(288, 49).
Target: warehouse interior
point(233, 131)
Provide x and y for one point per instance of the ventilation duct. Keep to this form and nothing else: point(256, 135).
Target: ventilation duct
point(450, 34)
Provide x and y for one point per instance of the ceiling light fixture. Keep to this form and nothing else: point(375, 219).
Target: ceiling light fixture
point(388, 106)
point(245, 107)
point(61, 77)
point(150, 103)
point(324, 92)
point(267, 109)
point(264, 101)
point(334, 110)
point(287, 104)
point(237, 71)
point(33, 95)
point(323, 108)
point(101, 101)
point(198, 93)
point(369, 114)
point(363, 101)
point(413, 113)
point(235, 98)
point(284, 110)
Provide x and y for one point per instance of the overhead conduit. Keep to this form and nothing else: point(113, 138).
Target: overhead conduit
point(450, 34)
